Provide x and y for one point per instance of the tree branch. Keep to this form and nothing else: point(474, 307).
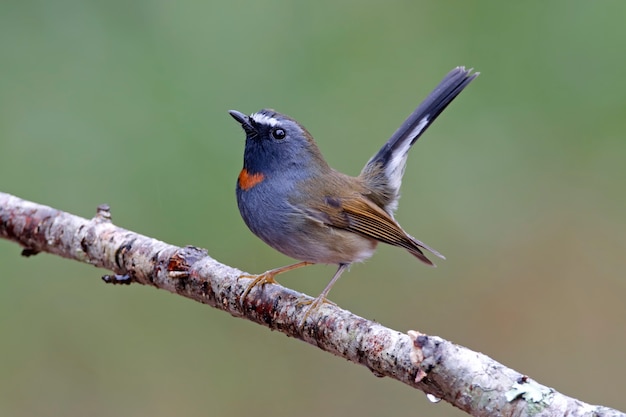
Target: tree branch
point(468, 380)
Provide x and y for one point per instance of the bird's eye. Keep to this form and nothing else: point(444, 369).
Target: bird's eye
point(279, 133)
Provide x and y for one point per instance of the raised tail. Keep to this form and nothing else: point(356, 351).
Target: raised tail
point(383, 173)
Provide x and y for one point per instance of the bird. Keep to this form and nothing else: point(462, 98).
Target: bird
point(290, 197)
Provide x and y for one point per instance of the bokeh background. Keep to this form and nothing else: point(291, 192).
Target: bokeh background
point(521, 183)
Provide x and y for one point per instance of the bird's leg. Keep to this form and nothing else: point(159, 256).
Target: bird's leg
point(267, 277)
point(321, 299)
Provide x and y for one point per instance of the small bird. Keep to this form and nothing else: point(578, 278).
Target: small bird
point(295, 202)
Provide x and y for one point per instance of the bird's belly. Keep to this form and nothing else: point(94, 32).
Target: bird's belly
point(323, 244)
point(294, 234)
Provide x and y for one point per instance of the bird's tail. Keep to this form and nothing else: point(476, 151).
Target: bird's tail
point(383, 173)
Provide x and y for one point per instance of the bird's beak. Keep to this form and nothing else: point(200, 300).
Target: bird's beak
point(244, 121)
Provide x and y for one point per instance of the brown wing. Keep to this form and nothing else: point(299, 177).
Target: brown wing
point(359, 215)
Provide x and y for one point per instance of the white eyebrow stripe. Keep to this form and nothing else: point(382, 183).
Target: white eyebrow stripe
point(264, 119)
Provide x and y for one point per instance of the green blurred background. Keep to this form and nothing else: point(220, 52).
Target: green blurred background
point(520, 184)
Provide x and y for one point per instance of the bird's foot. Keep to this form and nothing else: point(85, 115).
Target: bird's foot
point(267, 277)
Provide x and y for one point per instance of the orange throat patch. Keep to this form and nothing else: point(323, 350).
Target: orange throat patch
point(247, 180)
